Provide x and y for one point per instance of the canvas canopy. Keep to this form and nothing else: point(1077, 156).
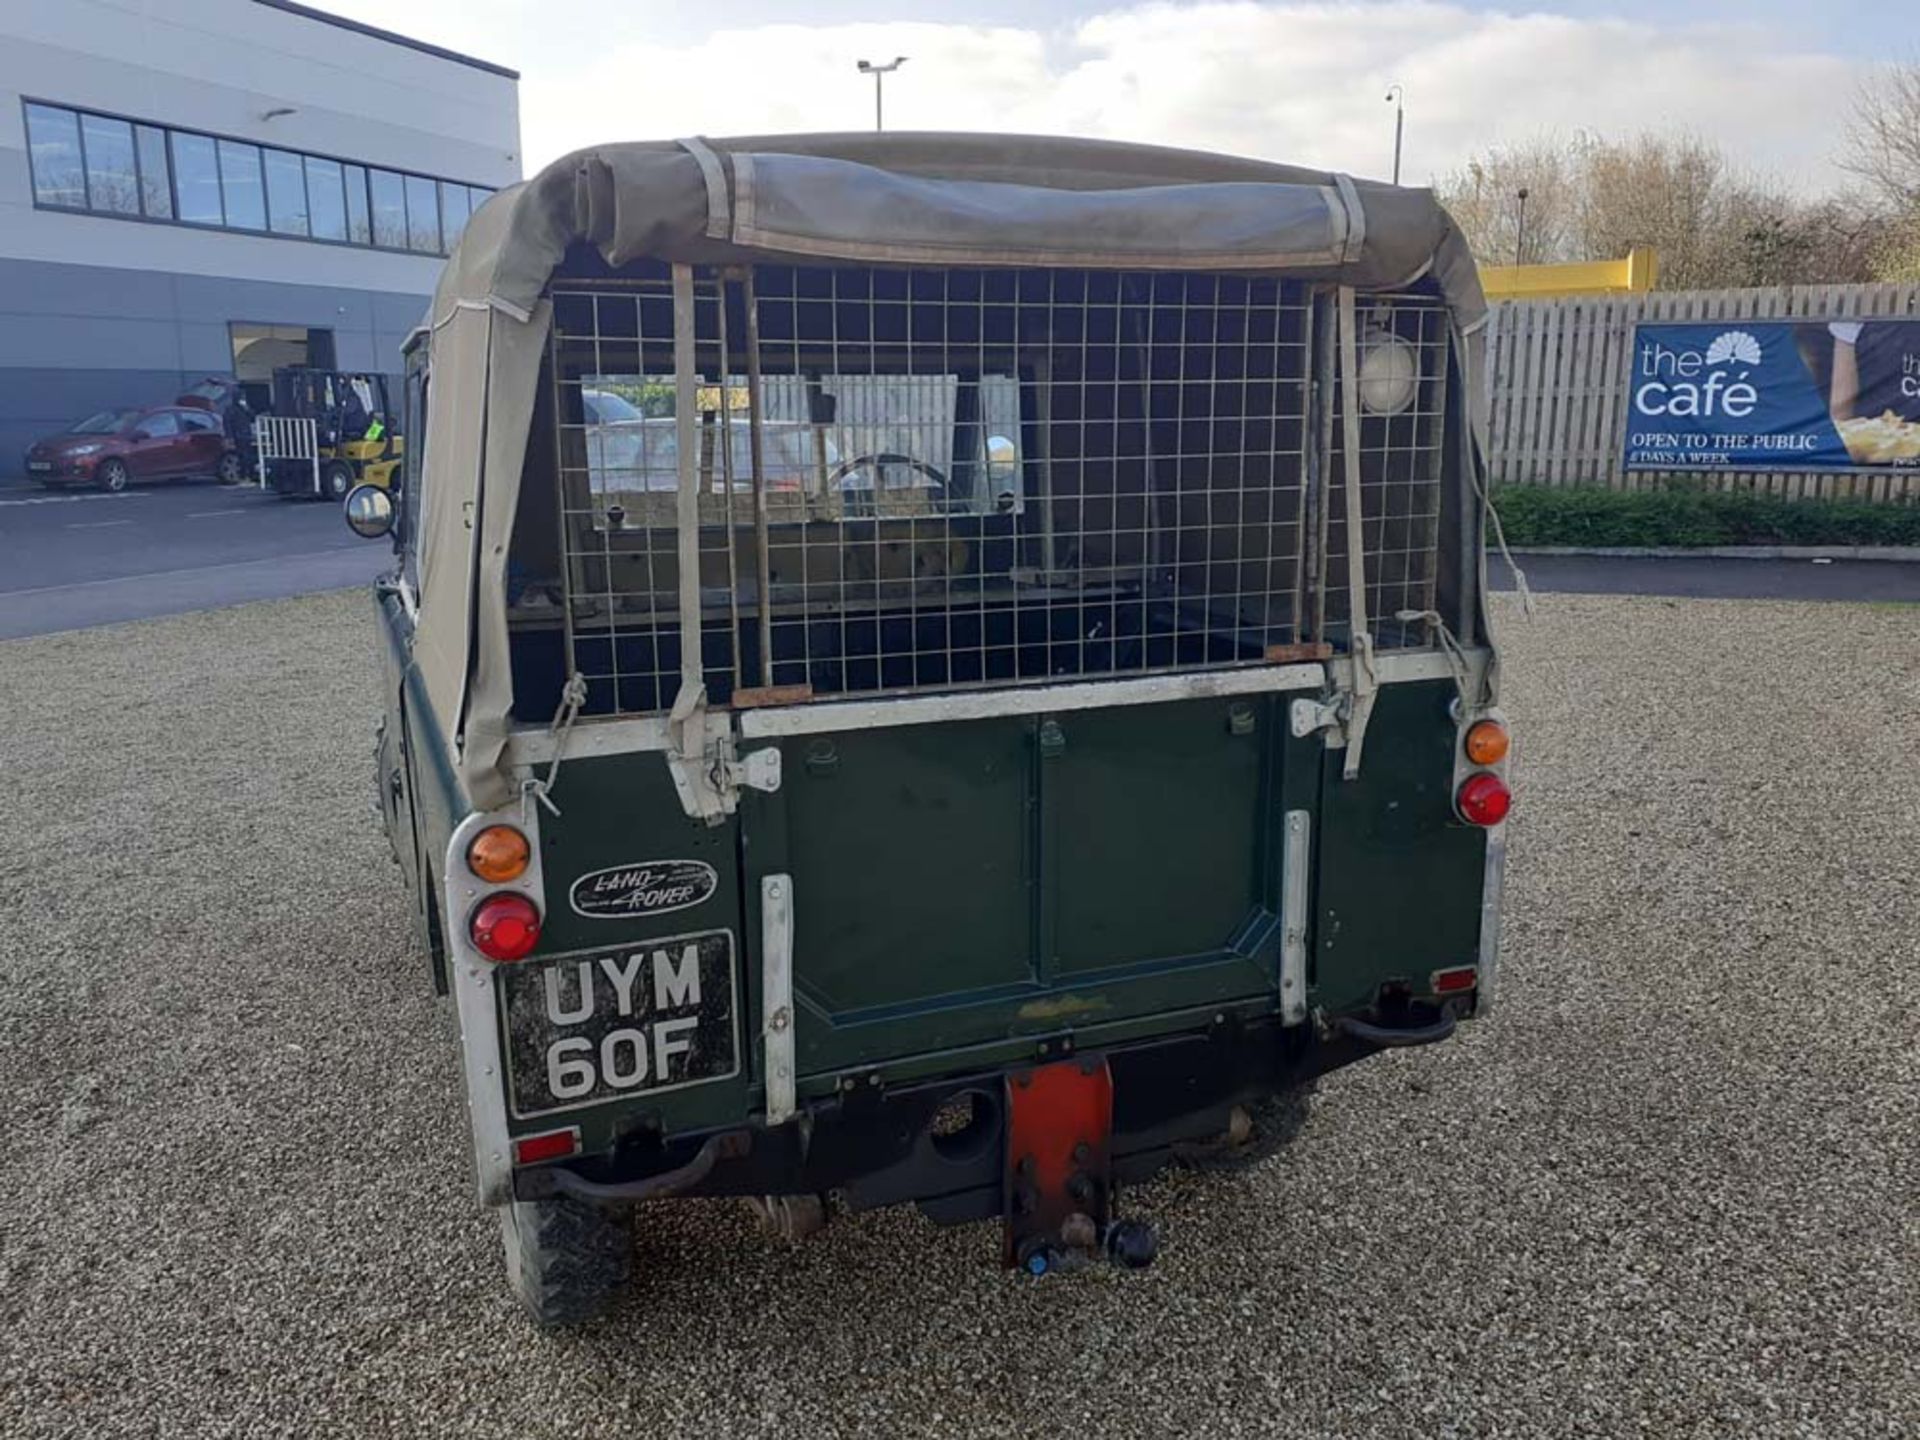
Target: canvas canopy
point(920, 199)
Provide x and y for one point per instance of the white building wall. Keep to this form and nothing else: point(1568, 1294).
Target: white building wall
point(100, 310)
point(221, 66)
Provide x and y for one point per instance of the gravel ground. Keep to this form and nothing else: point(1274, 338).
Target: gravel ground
point(1669, 1190)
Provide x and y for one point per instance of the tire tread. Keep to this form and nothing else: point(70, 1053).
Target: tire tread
point(567, 1261)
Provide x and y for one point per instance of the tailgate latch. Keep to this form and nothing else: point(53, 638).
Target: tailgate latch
point(707, 771)
point(1307, 716)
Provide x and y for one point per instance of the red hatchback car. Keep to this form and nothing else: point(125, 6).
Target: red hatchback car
point(115, 448)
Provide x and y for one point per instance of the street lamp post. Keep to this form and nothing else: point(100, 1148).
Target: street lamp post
point(880, 72)
point(1397, 97)
point(1520, 227)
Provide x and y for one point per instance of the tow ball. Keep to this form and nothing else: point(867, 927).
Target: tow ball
point(1058, 1173)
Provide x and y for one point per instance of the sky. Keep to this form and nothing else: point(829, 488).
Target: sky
point(1769, 80)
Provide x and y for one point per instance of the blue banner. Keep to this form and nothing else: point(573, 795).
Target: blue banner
point(1753, 395)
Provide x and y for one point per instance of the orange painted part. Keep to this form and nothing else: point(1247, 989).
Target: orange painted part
point(1052, 1112)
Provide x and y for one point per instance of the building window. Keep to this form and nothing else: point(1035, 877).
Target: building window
point(389, 209)
point(109, 165)
point(196, 174)
point(359, 225)
point(423, 215)
point(241, 191)
point(113, 185)
point(326, 200)
point(286, 193)
point(53, 143)
point(156, 176)
point(454, 208)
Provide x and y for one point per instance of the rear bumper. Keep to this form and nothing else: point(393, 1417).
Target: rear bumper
point(878, 1147)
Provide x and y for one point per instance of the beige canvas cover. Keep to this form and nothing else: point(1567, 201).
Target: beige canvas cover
point(903, 198)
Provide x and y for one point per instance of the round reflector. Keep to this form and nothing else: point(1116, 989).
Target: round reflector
point(505, 927)
point(1487, 742)
point(1484, 800)
point(498, 854)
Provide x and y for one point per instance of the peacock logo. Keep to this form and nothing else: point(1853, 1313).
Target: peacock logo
point(1683, 382)
point(1736, 346)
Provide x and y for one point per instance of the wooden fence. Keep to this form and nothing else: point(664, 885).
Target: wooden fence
point(1559, 371)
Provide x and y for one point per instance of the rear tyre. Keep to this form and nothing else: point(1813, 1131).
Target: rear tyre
point(112, 476)
point(567, 1261)
point(336, 479)
point(230, 471)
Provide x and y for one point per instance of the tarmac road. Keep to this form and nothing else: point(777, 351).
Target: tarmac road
point(71, 559)
point(74, 558)
point(1705, 577)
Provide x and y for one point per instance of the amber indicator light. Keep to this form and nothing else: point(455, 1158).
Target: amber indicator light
point(1487, 742)
point(499, 854)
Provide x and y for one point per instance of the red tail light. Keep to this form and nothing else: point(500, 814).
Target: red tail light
point(505, 927)
point(1483, 800)
point(553, 1145)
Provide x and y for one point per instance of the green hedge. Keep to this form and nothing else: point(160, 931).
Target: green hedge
point(1690, 514)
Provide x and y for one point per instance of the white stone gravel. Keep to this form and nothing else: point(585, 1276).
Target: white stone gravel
point(1669, 1191)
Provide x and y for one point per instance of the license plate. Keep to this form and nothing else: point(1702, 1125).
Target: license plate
point(613, 1023)
point(37, 466)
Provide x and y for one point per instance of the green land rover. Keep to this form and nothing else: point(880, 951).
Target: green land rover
point(933, 668)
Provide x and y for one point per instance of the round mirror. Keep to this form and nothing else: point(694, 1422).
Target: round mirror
point(369, 511)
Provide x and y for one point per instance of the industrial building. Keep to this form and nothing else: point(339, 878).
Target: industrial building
point(217, 187)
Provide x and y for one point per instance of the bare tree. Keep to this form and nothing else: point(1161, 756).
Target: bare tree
point(1485, 200)
point(1673, 193)
point(1883, 140)
point(1884, 136)
point(1592, 198)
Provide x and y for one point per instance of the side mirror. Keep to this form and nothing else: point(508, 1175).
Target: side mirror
point(369, 511)
point(138, 435)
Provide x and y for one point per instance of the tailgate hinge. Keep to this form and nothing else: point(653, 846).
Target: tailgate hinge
point(776, 996)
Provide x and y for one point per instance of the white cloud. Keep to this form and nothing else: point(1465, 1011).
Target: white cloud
point(1299, 82)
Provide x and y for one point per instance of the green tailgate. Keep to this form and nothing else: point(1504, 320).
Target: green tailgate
point(958, 883)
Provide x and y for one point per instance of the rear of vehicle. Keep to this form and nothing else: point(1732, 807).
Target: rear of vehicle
point(987, 722)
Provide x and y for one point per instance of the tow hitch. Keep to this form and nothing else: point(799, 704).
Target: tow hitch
point(1058, 1172)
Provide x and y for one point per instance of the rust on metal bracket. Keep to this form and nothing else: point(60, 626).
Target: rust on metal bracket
point(760, 695)
point(1304, 650)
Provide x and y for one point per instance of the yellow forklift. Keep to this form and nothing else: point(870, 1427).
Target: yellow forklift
point(328, 431)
